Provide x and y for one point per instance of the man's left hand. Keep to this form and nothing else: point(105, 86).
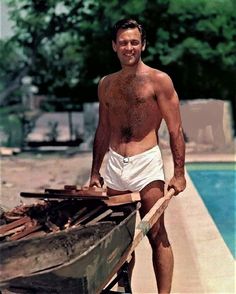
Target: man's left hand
point(178, 184)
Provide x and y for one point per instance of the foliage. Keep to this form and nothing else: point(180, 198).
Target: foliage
point(13, 67)
point(196, 43)
point(65, 45)
point(10, 128)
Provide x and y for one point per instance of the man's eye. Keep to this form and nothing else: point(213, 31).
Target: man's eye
point(135, 43)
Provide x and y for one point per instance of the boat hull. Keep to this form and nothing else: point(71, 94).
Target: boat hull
point(77, 261)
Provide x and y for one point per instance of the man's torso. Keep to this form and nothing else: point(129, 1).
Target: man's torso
point(134, 116)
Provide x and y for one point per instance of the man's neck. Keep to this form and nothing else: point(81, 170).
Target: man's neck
point(133, 69)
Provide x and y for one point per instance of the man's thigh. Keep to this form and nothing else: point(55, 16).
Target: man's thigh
point(149, 196)
point(113, 192)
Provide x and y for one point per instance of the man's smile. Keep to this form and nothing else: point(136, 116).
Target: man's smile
point(129, 54)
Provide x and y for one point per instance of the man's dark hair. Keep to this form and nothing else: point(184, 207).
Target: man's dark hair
point(128, 23)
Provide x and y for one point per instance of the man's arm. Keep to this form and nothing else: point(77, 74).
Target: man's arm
point(101, 140)
point(168, 102)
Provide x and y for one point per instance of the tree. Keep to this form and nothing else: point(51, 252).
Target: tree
point(13, 68)
point(196, 44)
point(65, 45)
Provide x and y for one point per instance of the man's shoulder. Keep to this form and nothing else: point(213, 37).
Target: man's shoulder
point(109, 77)
point(161, 81)
point(159, 75)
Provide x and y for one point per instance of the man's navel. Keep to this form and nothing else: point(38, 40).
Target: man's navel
point(126, 133)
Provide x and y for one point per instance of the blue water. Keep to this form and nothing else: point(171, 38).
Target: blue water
point(216, 183)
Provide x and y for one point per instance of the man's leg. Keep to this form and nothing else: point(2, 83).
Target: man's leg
point(162, 255)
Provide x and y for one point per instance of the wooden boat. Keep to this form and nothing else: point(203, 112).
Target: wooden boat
point(77, 260)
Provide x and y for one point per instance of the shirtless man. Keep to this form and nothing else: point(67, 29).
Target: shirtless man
point(133, 101)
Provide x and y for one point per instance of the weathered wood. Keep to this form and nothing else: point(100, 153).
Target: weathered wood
point(85, 193)
point(70, 187)
point(36, 234)
point(76, 217)
point(123, 199)
point(27, 231)
point(14, 224)
point(12, 231)
point(48, 252)
point(52, 227)
point(151, 218)
point(58, 191)
point(117, 214)
point(70, 261)
point(11, 218)
point(88, 215)
point(82, 194)
point(93, 193)
point(94, 188)
point(99, 217)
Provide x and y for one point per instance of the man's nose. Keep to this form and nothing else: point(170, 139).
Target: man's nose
point(129, 46)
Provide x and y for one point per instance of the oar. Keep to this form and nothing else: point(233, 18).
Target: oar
point(151, 218)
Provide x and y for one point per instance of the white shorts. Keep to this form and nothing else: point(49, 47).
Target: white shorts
point(135, 172)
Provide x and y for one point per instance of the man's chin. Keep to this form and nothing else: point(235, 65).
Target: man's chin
point(130, 63)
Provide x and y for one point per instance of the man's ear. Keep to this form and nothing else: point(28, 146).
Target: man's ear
point(144, 46)
point(114, 46)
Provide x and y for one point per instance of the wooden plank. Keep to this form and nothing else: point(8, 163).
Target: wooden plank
point(78, 214)
point(88, 215)
point(51, 226)
point(58, 191)
point(123, 199)
point(117, 214)
point(69, 191)
point(151, 218)
point(82, 194)
point(70, 187)
point(11, 218)
point(75, 217)
point(27, 231)
point(12, 231)
point(100, 217)
point(14, 224)
point(90, 192)
point(94, 188)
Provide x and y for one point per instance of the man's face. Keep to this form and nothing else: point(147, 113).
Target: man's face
point(128, 46)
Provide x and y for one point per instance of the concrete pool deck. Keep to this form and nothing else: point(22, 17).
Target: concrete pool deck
point(203, 262)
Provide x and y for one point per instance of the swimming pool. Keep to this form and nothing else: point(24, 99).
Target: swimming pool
point(216, 183)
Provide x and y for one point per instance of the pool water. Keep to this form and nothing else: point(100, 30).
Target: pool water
point(216, 183)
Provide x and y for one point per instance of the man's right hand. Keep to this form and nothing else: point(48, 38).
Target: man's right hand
point(96, 180)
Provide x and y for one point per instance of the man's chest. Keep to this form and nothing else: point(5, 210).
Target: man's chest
point(130, 94)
